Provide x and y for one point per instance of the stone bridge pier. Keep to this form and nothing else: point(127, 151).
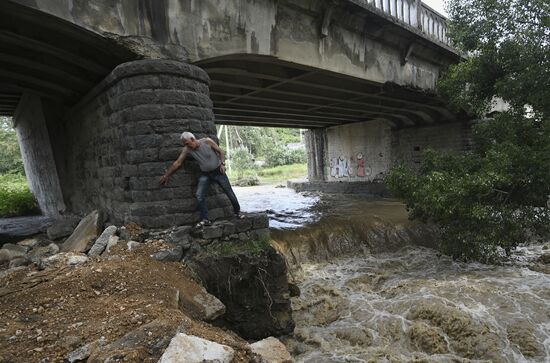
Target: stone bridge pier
point(109, 150)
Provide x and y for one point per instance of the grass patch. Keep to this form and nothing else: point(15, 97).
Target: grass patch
point(275, 174)
point(15, 197)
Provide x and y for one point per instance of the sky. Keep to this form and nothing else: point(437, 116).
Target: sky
point(437, 5)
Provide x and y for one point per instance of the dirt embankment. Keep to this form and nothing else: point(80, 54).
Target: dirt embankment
point(130, 304)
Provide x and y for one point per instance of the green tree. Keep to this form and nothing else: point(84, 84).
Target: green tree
point(10, 156)
point(496, 195)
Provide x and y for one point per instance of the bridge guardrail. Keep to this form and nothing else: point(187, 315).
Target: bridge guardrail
point(416, 14)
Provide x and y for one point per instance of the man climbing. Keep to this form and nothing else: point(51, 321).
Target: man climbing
point(211, 161)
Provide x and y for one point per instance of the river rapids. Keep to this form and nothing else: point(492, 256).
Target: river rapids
point(372, 290)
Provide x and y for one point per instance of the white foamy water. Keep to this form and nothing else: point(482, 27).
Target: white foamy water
point(416, 305)
point(408, 305)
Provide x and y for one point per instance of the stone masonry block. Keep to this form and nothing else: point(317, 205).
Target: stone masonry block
point(242, 225)
point(171, 82)
point(152, 182)
point(152, 221)
point(154, 66)
point(145, 81)
point(179, 234)
point(139, 113)
point(171, 140)
point(259, 220)
point(162, 194)
point(211, 232)
point(133, 98)
point(187, 112)
point(146, 169)
point(142, 156)
point(228, 227)
point(169, 153)
point(145, 141)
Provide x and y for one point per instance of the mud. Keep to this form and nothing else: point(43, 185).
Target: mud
point(127, 299)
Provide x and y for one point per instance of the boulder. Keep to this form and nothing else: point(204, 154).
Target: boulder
point(179, 236)
point(192, 349)
point(209, 232)
point(270, 350)
point(132, 245)
point(209, 306)
point(19, 261)
point(10, 251)
point(138, 345)
point(84, 352)
point(113, 241)
point(170, 254)
point(29, 243)
point(74, 260)
point(102, 241)
point(86, 231)
point(41, 252)
point(69, 258)
point(62, 227)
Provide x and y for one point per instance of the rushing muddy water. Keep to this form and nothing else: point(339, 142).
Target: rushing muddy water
point(370, 293)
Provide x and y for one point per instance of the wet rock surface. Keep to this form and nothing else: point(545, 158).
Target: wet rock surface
point(253, 287)
point(270, 350)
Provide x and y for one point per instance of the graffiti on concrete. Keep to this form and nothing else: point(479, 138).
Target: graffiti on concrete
point(363, 170)
point(344, 167)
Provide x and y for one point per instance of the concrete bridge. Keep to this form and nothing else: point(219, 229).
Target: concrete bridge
point(100, 91)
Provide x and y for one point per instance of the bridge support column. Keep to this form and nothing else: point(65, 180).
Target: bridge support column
point(316, 146)
point(37, 155)
point(125, 134)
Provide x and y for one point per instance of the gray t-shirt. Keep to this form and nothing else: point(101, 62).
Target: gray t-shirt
point(207, 158)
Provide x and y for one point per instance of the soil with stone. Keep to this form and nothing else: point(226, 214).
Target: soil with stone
point(124, 301)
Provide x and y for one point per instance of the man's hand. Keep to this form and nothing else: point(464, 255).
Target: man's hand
point(222, 168)
point(163, 180)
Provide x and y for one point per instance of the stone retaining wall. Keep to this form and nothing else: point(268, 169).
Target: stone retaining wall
point(123, 136)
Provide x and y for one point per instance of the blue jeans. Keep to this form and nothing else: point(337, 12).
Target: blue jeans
point(202, 188)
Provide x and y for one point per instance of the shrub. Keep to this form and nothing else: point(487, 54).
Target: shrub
point(280, 155)
point(15, 197)
point(241, 161)
point(489, 200)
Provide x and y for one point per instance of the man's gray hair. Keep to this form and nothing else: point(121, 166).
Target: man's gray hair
point(187, 136)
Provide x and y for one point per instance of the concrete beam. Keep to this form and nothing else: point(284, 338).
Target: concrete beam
point(63, 55)
point(46, 70)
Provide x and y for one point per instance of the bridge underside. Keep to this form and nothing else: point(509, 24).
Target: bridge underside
point(264, 91)
point(46, 56)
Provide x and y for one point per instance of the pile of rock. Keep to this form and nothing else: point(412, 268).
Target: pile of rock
point(87, 237)
point(262, 280)
point(192, 349)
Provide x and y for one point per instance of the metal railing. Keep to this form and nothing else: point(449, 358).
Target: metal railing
point(416, 14)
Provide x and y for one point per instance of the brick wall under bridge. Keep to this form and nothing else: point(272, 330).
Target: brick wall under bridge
point(365, 151)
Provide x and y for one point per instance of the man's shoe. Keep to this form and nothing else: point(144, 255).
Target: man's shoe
point(204, 222)
point(240, 216)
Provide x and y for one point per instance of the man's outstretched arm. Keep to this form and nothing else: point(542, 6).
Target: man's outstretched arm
point(172, 168)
